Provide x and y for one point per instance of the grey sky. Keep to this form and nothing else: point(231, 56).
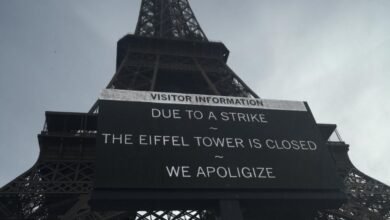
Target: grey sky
point(57, 55)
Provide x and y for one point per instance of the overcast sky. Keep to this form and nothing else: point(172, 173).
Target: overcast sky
point(58, 55)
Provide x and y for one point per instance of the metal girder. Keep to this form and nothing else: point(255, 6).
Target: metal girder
point(367, 198)
point(144, 71)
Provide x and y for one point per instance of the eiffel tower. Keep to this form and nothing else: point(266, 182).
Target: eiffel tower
point(169, 52)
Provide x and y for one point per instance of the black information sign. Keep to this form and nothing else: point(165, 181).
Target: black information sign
point(168, 141)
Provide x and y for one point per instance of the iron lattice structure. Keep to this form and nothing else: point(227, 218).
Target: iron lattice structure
point(169, 52)
point(168, 19)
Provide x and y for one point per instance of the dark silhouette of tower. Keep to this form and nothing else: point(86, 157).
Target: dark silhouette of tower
point(169, 52)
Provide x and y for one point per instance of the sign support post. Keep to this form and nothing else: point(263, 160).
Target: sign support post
point(230, 210)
